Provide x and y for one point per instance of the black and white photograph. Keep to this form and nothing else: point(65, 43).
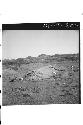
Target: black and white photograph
point(41, 63)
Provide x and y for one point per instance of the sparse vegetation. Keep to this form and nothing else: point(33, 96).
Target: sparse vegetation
point(31, 80)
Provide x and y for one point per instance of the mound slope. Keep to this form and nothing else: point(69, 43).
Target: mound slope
point(44, 72)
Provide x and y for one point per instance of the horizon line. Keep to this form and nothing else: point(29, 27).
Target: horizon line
point(39, 55)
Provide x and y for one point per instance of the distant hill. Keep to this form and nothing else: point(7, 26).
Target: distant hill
point(41, 58)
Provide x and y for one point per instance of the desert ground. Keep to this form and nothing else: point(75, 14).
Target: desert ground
point(46, 79)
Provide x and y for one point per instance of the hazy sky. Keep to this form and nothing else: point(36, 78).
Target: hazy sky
point(24, 43)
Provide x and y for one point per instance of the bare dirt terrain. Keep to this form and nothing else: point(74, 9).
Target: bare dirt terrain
point(41, 80)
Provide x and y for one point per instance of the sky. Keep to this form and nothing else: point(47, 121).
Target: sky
point(24, 43)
